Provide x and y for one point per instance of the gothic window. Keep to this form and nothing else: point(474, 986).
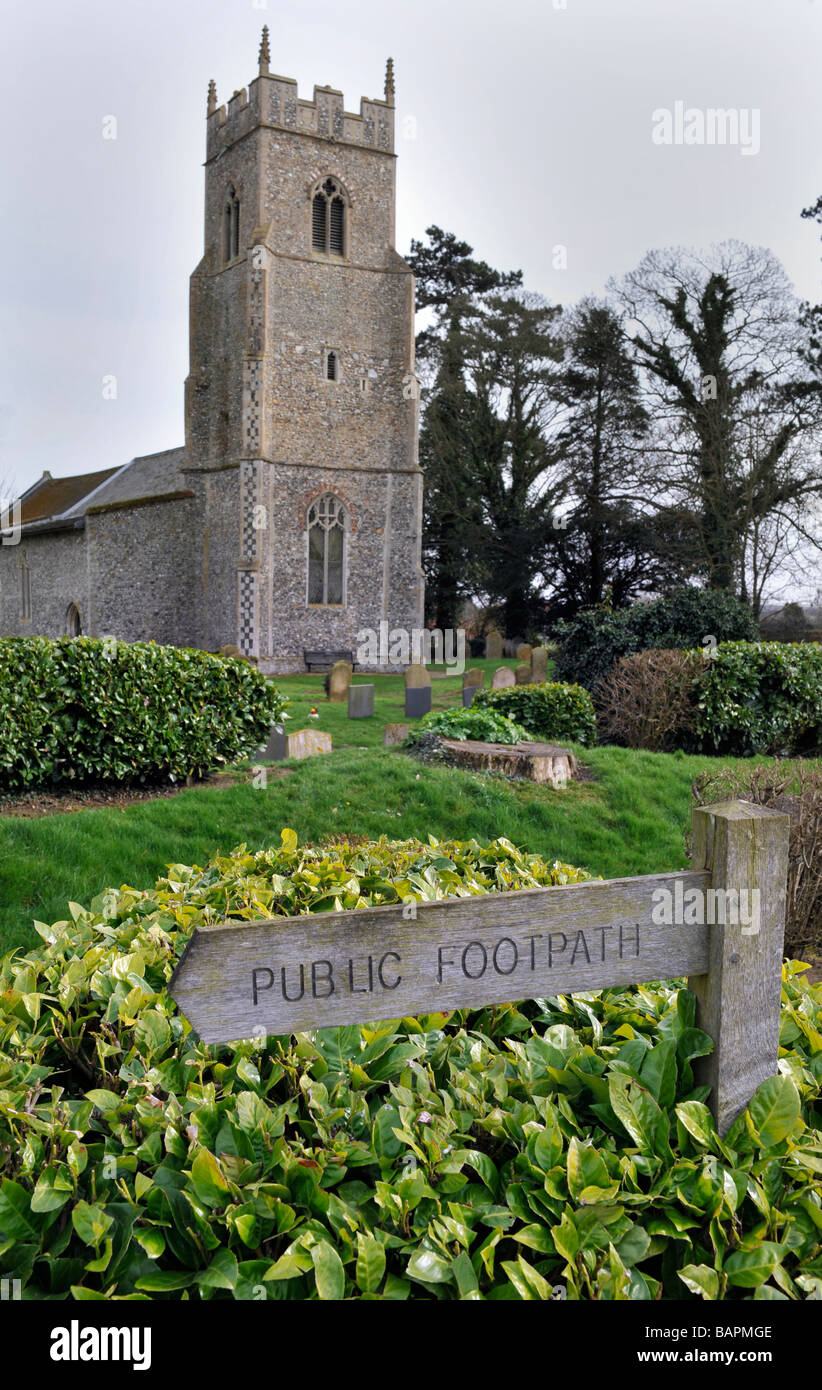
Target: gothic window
point(231, 225)
point(332, 365)
point(326, 551)
point(328, 229)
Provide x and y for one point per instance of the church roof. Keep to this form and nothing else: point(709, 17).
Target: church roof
point(50, 497)
point(57, 503)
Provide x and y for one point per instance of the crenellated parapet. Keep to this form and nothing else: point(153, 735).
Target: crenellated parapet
point(271, 100)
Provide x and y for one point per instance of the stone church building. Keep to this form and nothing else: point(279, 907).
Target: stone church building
point(291, 518)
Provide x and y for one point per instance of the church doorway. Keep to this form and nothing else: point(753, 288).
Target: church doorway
point(74, 626)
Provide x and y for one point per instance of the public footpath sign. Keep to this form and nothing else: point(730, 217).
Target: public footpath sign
point(720, 923)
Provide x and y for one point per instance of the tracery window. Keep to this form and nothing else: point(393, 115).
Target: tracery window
point(326, 551)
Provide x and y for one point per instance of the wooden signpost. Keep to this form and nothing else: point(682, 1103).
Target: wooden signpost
point(720, 923)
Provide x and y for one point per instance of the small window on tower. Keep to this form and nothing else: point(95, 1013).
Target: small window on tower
point(331, 366)
point(328, 214)
point(231, 225)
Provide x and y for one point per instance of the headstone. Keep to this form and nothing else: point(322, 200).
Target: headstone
point(305, 743)
point(539, 665)
point(417, 678)
point(522, 675)
point(524, 652)
point(493, 645)
point(474, 676)
point(277, 747)
point(360, 701)
point(395, 734)
point(339, 681)
point(502, 677)
point(468, 693)
point(417, 701)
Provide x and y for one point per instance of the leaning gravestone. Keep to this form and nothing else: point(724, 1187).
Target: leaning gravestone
point(493, 645)
point(395, 734)
point(339, 681)
point(524, 652)
point(417, 701)
point(522, 675)
point(539, 665)
point(360, 701)
point(502, 677)
point(474, 677)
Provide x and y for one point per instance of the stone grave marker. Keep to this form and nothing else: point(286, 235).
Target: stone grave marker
point(539, 665)
point(277, 747)
point(395, 734)
point(524, 652)
point(360, 701)
point(522, 675)
point(468, 693)
point(493, 645)
point(502, 677)
point(416, 677)
point(339, 681)
point(417, 701)
point(305, 743)
point(473, 676)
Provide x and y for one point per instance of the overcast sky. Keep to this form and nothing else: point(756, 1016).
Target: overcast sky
point(521, 126)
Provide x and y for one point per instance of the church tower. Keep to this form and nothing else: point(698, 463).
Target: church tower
point(301, 399)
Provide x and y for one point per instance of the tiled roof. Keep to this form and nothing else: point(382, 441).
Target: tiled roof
point(53, 496)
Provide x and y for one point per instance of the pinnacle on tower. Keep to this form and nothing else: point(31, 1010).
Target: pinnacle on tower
point(389, 81)
point(265, 56)
point(212, 97)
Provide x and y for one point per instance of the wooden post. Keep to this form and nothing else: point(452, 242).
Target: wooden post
point(745, 849)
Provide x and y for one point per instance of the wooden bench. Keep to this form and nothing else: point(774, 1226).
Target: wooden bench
point(323, 661)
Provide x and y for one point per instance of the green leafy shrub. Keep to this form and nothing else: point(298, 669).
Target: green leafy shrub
point(761, 697)
point(552, 711)
point(555, 1147)
point(484, 725)
point(593, 641)
point(84, 710)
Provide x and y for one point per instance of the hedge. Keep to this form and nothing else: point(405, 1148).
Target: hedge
point(761, 697)
point(551, 710)
point(547, 1149)
point(593, 641)
point(78, 710)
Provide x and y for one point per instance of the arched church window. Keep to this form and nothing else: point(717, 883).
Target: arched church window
point(231, 225)
point(328, 208)
point(326, 551)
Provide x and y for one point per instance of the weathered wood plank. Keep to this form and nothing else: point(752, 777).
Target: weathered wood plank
point(325, 969)
point(745, 847)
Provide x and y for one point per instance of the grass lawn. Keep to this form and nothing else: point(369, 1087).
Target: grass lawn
point(628, 820)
